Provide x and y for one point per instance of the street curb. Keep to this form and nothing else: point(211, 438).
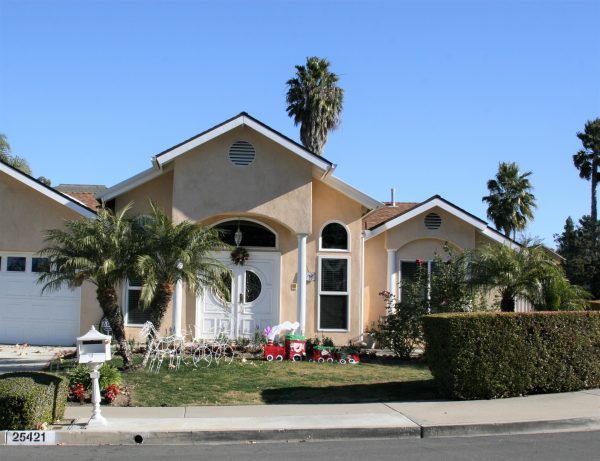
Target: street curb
point(190, 437)
point(507, 428)
point(201, 437)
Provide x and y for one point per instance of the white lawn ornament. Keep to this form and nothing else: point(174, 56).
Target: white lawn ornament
point(285, 326)
point(162, 346)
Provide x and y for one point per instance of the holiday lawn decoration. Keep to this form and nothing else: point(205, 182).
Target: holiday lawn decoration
point(295, 347)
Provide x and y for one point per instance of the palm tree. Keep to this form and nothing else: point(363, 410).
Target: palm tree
point(13, 160)
point(315, 102)
point(100, 251)
point(510, 203)
point(173, 252)
point(513, 272)
point(587, 161)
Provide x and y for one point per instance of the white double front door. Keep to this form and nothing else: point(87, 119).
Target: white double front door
point(251, 303)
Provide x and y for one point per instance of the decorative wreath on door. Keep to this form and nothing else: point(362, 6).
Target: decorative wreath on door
point(239, 256)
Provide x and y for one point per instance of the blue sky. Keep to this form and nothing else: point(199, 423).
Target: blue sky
point(437, 92)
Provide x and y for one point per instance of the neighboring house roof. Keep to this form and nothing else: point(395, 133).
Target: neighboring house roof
point(161, 162)
point(438, 201)
point(84, 193)
point(50, 192)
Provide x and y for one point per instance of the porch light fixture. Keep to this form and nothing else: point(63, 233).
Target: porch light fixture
point(237, 237)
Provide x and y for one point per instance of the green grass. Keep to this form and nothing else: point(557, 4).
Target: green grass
point(259, 382)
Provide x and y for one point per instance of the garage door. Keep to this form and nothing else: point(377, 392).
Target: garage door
point(27, 316)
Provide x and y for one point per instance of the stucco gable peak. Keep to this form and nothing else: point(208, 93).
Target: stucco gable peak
point(48, 191)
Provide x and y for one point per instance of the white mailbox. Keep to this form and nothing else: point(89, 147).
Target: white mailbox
point(93, 347)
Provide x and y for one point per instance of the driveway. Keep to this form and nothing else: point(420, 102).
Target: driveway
point(28, 358)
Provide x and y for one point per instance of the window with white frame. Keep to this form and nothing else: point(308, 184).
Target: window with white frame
point(134, 315)
point(334, 236)
point(409, 271)
point(333, 293)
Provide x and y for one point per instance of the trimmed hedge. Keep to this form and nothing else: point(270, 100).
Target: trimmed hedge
point(31, 398)
point(492, 355)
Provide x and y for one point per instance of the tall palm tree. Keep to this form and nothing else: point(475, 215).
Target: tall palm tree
point(513, 272)
point(315, 102)
point(587, 161)
point(173, 252)
point(510, 203)
point(100, 251)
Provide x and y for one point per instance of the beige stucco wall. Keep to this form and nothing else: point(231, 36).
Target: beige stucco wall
point(90, 314)
point(276, 185)
point(160, 190)
point(375, 278)
point(25, 215)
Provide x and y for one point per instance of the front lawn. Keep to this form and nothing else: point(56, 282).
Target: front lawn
point(254, 382)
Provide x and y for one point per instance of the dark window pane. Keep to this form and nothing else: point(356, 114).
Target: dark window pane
point(334, 274)
point(409, 270)
point(334, 312)
point(253, 234)
point(334, 236)
point(15, 264)
point(134, 314)
point(40, 265)
point(253, 286)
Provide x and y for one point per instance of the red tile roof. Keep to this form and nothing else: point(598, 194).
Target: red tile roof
point(87, 198)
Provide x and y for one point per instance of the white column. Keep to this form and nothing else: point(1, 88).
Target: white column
point(177, 308)
point(301, 283)
point(391, 272)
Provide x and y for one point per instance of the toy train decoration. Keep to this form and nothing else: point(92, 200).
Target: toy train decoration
point(295, 350)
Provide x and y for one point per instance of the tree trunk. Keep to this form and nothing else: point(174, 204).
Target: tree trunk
point(158, 308)
point(107, 298)
point(507, 303)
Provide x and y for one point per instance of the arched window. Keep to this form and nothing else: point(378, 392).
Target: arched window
point(334, 236)
point(253, 234)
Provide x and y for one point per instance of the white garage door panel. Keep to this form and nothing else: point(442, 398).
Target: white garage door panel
point(27, 316)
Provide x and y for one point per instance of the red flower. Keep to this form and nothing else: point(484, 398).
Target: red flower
point(419, 262)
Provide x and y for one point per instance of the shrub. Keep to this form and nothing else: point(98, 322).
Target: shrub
point(109, 374)
point(28, 399)
point(491, 355)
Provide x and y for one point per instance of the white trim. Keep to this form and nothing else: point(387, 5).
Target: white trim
point(335, 250)
point(436, 202)
point(232, 124)
point(131, 183)
point(352, 192)
point(256, 221)
point(347, 293)
point(361, 329)
point(301, 282)
point(48, 192)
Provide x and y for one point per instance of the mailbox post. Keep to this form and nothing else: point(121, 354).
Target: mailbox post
point(93, 349)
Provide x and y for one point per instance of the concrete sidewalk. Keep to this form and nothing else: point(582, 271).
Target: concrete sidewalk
point(575, 411)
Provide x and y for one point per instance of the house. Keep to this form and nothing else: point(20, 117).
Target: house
point(320, 251)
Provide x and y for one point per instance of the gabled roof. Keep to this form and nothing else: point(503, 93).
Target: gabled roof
point(247, 120)
point(438, 201)
point(48, 191)
point(322, 171)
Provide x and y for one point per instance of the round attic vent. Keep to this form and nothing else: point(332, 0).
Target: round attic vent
point(242, 153)
point(433, 221)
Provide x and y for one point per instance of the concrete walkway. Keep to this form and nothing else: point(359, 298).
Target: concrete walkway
point(575, 411)
point(28, 358)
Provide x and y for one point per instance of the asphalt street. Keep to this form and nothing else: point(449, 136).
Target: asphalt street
point(579, 446)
